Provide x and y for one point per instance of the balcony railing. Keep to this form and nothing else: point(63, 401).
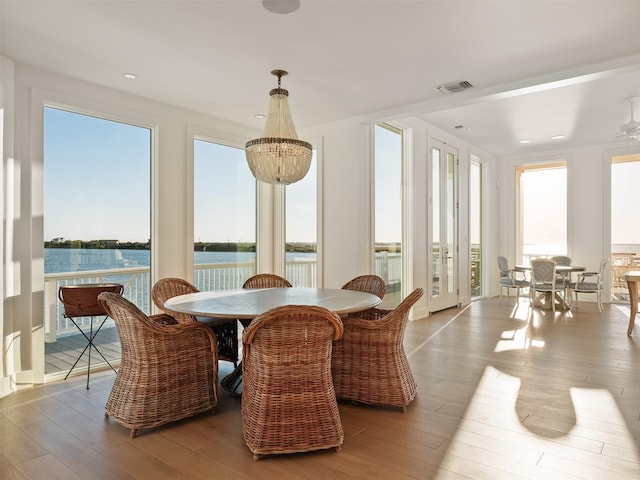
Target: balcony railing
point(210, 276)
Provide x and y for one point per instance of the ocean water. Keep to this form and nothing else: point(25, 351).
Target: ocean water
point(60, 260)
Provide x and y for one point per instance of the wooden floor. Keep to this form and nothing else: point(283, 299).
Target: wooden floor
point(502, 395)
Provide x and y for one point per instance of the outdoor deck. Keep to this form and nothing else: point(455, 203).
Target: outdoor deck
point(60, 355)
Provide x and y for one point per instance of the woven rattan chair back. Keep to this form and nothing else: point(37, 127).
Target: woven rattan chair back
point(226, 330)
point(266, 280)
point(369, 364)
point(167, 288)
point(288, 401)
point(154, 384)
point(367, 283)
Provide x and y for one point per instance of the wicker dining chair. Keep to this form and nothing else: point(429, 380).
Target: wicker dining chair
point(266, 280)
point(226, 330)
point(288, 400)
point(367, 283)
point(369, 364)
point(168, 370)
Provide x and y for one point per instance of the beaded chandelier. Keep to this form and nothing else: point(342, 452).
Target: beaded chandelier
point(278, 157)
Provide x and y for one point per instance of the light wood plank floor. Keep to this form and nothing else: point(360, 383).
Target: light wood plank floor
point(503, 394)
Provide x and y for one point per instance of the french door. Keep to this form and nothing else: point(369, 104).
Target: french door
point(443, 227)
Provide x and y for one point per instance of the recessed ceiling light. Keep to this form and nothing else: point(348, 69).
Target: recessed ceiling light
point(525, 141)
point(130, 76)
point(281, 6)
point(558, 137)
point(259, 115)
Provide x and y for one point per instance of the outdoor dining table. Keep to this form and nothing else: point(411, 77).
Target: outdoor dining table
point(246, 304)
point(544, 299)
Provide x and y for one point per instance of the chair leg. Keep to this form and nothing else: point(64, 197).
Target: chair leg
point(599, 298)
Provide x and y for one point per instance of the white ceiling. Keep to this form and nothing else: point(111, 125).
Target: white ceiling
point(370, 59)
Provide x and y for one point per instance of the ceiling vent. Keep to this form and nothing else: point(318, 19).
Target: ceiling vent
point(453, 87)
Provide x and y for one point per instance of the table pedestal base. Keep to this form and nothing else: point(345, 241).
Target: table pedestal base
point(544, 299)
point(232, 383)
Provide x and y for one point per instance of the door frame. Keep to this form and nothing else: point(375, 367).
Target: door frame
point(451, 298)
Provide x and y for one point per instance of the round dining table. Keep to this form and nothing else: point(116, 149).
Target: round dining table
point(545, 299)
point(246, 304)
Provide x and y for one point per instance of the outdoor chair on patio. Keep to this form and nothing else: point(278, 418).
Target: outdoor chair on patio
point(168, 371)
point(226, 330)
point(369, 364)
point(288, 400)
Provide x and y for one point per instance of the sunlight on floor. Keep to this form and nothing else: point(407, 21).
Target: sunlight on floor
point(517, 340)
point(486, 433)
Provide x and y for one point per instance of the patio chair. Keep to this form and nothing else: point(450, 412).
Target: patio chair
point(226, 330)
point(288, 400)
point(266, 280)
point(168, 371)
point(509, 279)
point(591, 282)
point(369, 364)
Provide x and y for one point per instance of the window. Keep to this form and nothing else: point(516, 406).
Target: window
point(625, 222)
point(97, 212)
point(475, 226)
point(542, 210)
point(388, 211)
point(224, 210)
point(301, 228)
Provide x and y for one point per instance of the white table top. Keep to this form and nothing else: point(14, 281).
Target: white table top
point(633, 275)
point(559, 268)
point(248, 304)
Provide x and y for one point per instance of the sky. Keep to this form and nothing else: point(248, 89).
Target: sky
point(97, 186)
point(96, 178)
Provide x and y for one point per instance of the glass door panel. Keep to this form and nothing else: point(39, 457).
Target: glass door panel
point(443, 224)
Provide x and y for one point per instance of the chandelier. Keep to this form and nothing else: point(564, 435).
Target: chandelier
point(278, 157)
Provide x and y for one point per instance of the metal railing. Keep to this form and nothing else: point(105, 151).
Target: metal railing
point(209, 276)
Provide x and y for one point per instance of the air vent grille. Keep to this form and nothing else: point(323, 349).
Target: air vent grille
point(454, 87)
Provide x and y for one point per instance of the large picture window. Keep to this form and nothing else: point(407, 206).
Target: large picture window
point(388, 210)
point(97, 217)
point(224, 210)
point(542, 211)
point(301, 246)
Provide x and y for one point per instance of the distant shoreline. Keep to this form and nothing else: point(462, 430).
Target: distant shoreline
point(197, 247)
point(302, 247)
